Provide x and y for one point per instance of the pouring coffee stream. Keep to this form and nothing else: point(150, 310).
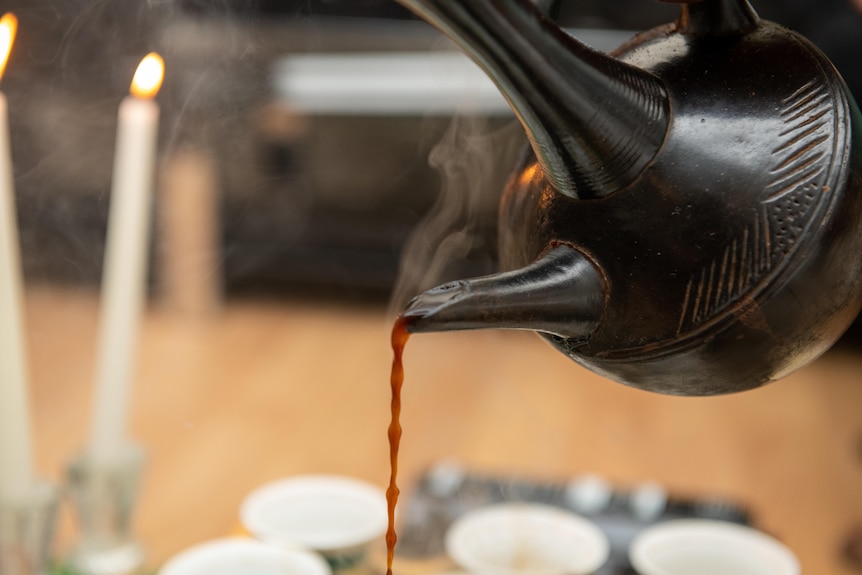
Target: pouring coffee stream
point(689, 217)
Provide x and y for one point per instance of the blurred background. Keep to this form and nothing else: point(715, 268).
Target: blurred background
point(305, 189)
point(317, 189)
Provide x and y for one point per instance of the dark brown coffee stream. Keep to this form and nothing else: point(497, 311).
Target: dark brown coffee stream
point(399, 340)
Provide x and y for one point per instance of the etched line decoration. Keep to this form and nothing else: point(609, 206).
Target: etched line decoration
point(801, 164)
point(744, 262)
point(805, 141)
point(795, 186)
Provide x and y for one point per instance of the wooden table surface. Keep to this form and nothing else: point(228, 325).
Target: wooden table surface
point(262, 390)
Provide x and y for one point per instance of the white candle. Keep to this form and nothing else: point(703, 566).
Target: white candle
point(125, 263)
point(16, 465)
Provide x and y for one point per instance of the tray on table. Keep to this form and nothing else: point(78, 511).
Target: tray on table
point(447, 491)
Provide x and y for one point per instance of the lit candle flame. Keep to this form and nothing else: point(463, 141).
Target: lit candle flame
point(148, 76)
point(8, 28)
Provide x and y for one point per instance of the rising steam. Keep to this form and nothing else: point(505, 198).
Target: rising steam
point(473, 160)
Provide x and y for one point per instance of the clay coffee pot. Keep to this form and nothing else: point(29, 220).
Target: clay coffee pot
point(688, 218)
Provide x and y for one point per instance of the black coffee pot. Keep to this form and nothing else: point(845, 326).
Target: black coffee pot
point(689, 217)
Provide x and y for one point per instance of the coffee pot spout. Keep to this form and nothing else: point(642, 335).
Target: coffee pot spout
point(560, 294)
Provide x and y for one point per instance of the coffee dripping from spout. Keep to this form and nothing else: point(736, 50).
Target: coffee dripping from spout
point(688, 219)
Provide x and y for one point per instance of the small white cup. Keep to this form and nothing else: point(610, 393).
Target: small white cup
point(243, 556)
point(526, 539)
point(708, 547)
point(335, 516)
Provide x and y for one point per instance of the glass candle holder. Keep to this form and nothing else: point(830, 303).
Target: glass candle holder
point(27, 528)
point(103, 494)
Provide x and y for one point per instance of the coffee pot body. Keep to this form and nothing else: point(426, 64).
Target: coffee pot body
point(688, 219)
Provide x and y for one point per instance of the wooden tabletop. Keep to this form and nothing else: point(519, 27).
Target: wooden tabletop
point(263, 390)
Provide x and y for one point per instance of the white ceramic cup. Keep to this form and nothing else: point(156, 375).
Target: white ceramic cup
point(243, 556)
point(335, 516)
point(708, 547)
point(526, 539)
